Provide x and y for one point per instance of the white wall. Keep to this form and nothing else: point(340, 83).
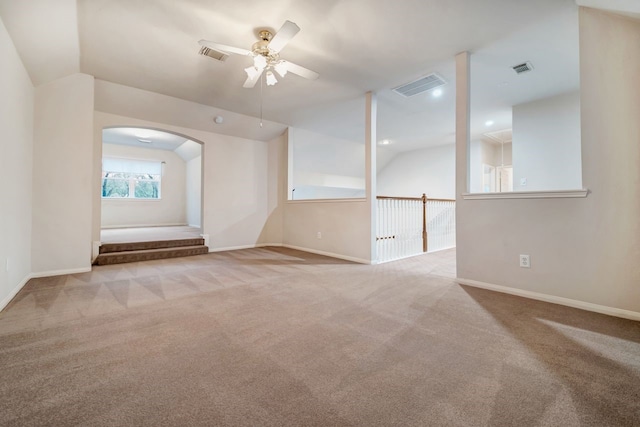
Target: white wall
point(170, 209)
point(16, 159)
point(430, 171)
point(325, 167)
point(584, 249)
point(194, 191)
point(62, 175)
point(546, 144)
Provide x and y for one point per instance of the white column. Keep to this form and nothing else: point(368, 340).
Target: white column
point(462, 138)
point(371, 112)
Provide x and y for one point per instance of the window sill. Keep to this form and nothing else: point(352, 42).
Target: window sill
point(556, 194)
point(128, 199)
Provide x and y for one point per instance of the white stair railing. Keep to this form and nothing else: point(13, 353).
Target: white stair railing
point(408, 226)
point(441, 224)
point(399, 228)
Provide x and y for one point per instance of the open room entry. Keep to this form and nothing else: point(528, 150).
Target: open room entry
point(151, 185)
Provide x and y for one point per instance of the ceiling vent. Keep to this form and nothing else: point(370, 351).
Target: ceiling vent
point(522, 68)
point(421, 85)
point(212, 53)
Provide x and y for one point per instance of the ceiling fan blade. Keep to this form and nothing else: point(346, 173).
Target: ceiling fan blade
point(283, 36)
point(301, 71)
point(224, 47)
point(251, 82)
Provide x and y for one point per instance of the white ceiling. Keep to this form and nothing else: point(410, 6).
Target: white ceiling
point(355, 45)
point(158, 140)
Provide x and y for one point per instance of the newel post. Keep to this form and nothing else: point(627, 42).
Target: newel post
point(424, 222)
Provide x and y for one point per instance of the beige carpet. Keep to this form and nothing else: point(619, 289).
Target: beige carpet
point(145, 234)
point(273, 337)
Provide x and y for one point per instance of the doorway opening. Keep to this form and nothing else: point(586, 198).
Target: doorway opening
point(151, 186)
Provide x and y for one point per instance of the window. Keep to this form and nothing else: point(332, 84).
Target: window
point(131, 179)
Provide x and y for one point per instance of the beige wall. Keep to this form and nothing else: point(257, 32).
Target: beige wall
point(585, 249)
point(62, 174)
point(429, 170)
point(345, 226)
point(194, 191)
point(546, 144)
point(16, 157)
point(170, 209)
point(236, 207)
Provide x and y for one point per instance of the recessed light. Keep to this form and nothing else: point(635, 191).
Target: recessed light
point(436, 93)
point(218, 119)
point(385, 142)
point(488, 123)
point(143, 134)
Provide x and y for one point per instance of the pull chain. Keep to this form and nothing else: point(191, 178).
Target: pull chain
point(261, 80)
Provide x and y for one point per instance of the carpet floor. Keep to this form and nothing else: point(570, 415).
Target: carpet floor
point(277, 337)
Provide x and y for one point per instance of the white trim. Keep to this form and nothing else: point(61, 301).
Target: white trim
point(602, 309)
point(237, 248)
point(351, 200)
point(5, 302)
point(109, 227)
point(60, 272)
point(298, 248)
point(329, 254)
point(555, 194)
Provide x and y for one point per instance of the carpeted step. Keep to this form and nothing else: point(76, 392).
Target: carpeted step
point(156, 244)
point(149, 254)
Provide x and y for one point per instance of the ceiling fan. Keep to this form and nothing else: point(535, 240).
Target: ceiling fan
point(266, 56)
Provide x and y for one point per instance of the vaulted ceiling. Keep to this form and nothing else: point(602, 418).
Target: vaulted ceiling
point(355, 45)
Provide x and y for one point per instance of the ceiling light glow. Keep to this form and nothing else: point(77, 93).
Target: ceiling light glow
point(436, 93)
point(281, 68)
point(141, 133)
point(259, 62)
point(271, 79)
point(488, 123)
point(385, 142)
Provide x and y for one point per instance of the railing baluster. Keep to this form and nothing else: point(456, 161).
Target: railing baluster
point(400, 226)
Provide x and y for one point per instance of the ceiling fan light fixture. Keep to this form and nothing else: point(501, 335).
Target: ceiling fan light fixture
point(271, 78)
point(260, 62)
point(281, 68)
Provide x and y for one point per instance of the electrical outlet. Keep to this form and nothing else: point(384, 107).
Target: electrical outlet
point(525, 261)
point(523, 182)
point(319, 235)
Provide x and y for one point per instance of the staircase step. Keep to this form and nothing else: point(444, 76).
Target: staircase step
point(156, 244)
point(149, 254)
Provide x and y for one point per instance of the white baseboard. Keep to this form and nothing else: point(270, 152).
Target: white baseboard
point(298, 248)
point(602, 309)
point(237, 248)
point(329, 254)
point(60, 272)
point(5, 302)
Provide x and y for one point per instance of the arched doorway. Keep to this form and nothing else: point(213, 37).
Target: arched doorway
point(151, 185)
